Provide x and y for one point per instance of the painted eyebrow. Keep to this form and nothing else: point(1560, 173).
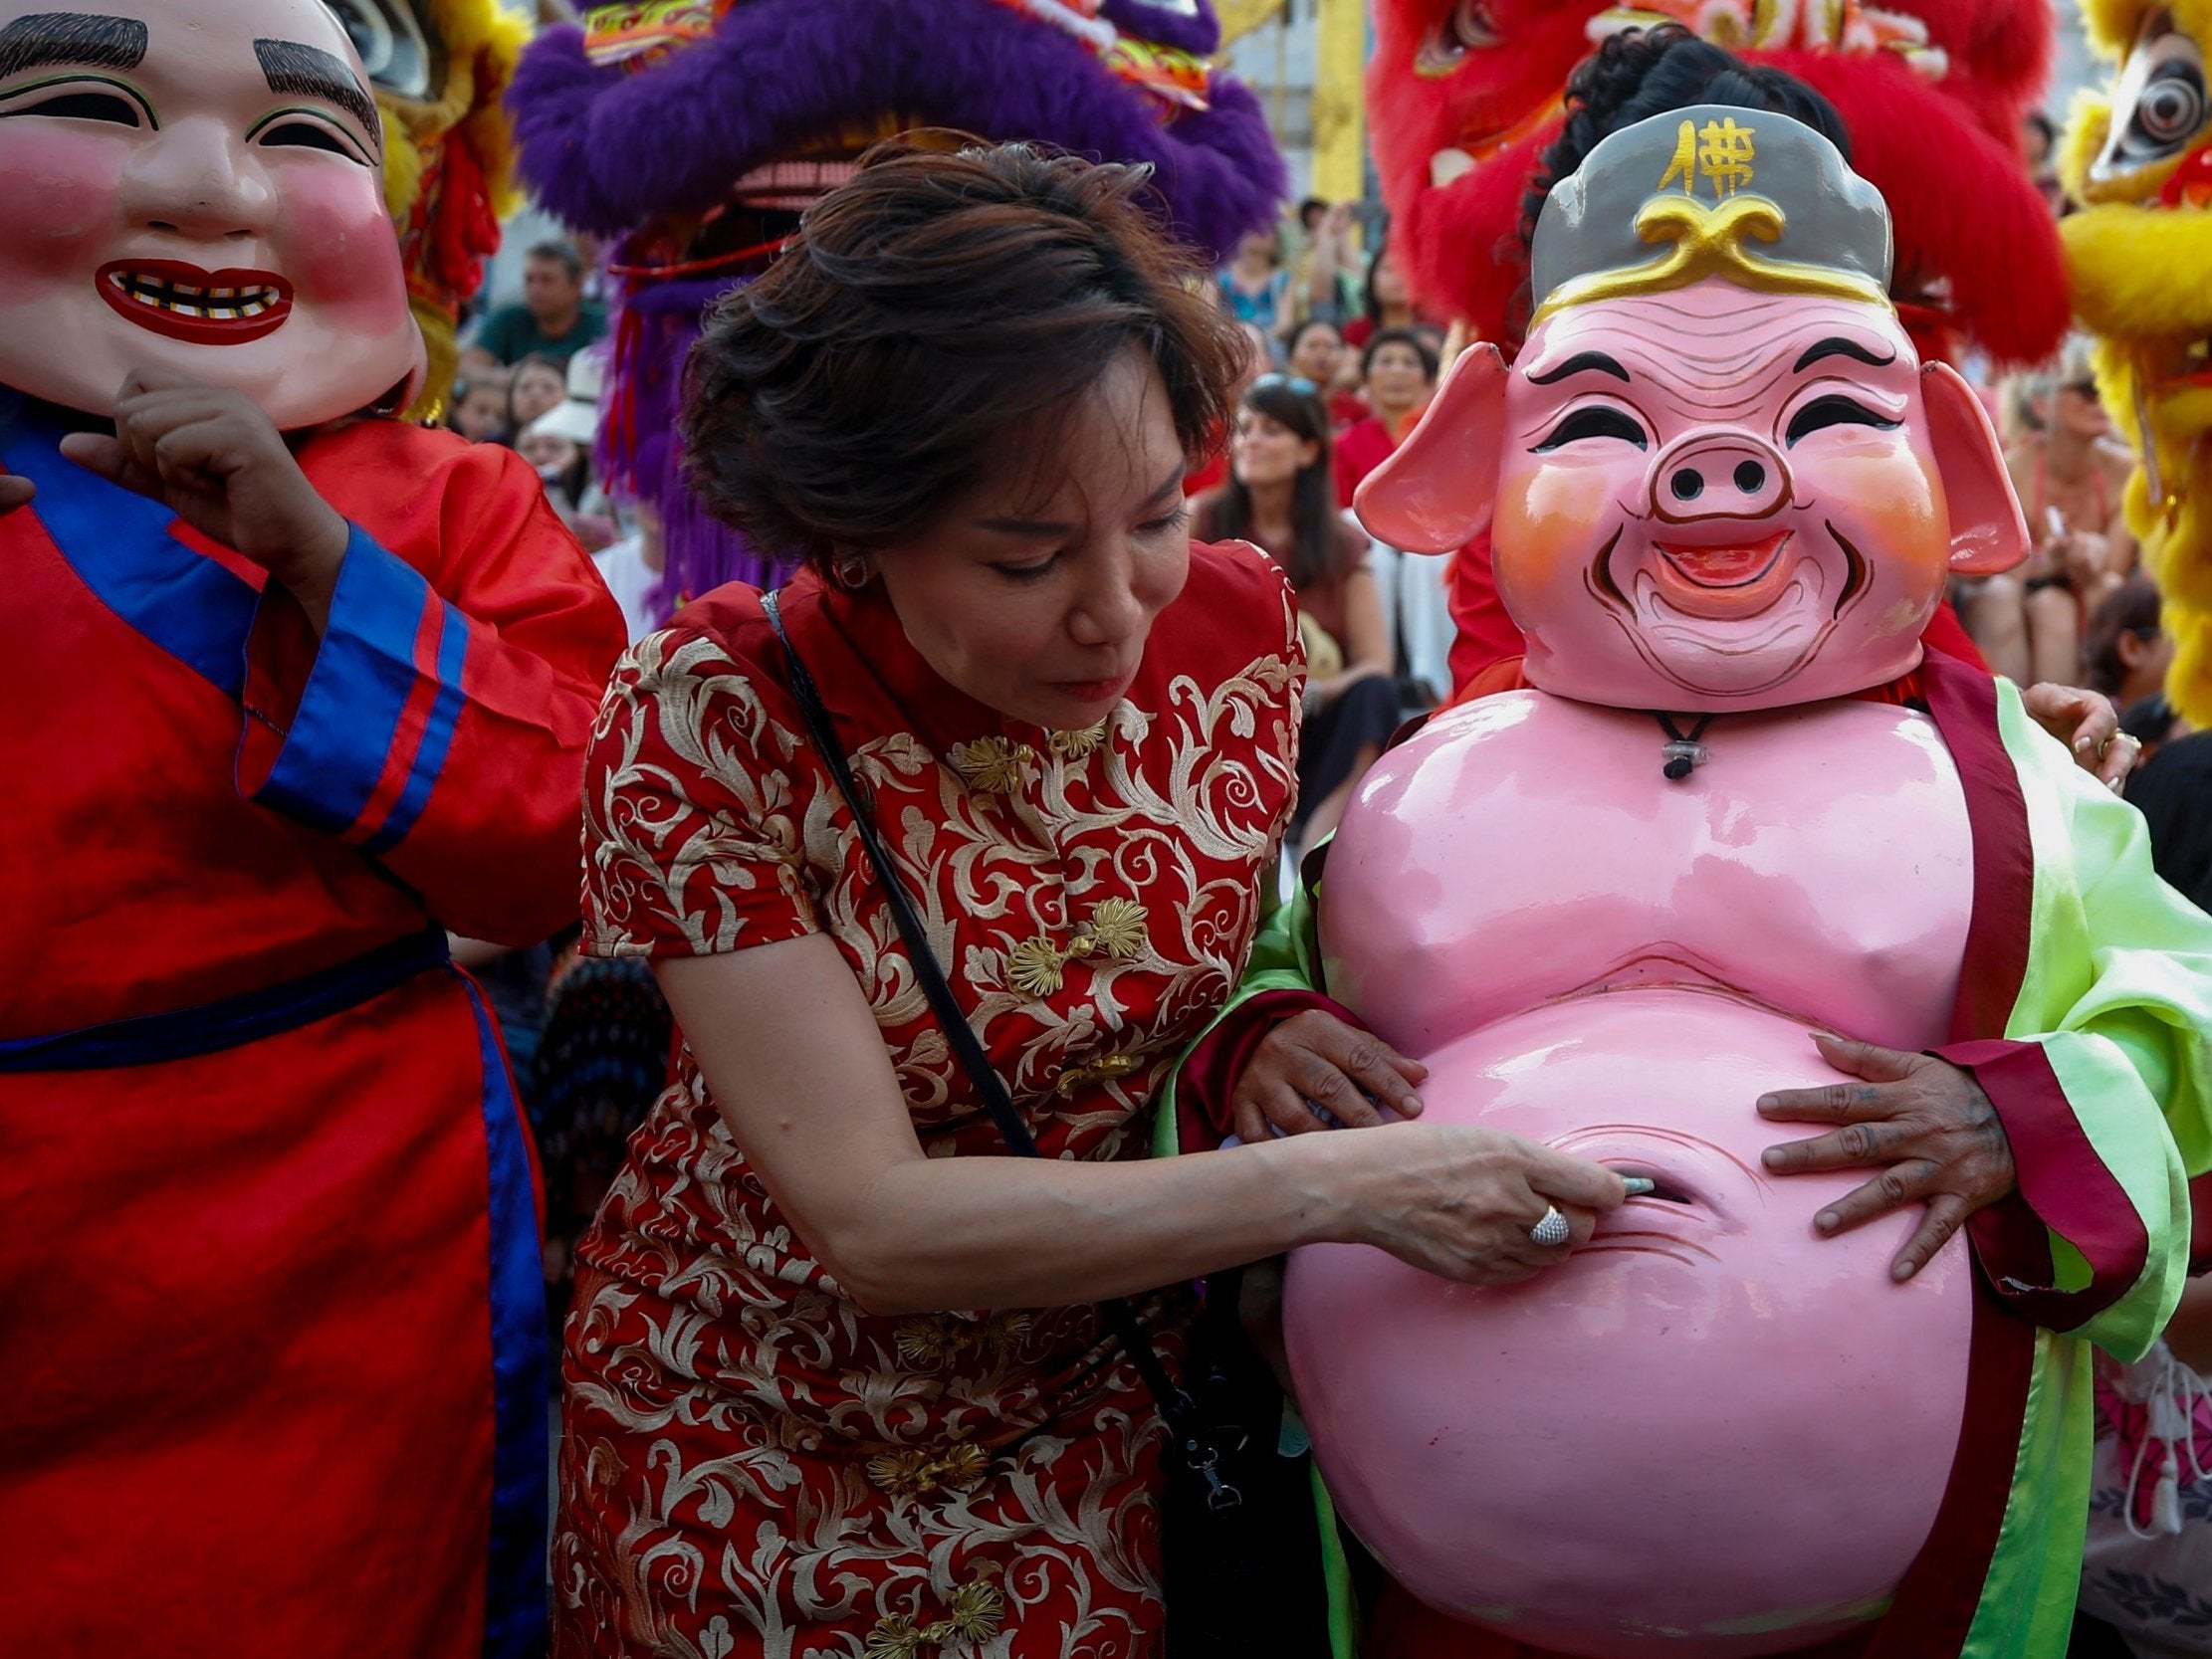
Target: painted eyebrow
point(298, 71)
point(42, 38)
point(1580, 362)
point(1042, 528)
point(1837, 346)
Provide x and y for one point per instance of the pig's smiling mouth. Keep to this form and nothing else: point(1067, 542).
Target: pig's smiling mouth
point(1733, 579)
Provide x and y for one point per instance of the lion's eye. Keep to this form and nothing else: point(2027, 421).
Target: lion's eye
point(1469, 26)
point(2159, 105)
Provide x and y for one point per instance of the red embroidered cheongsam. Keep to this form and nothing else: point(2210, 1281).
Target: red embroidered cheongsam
point(753, 1465)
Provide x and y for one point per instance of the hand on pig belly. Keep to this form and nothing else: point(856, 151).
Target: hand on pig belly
point(1711, 1431)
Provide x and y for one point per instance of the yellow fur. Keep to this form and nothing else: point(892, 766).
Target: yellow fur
point(2137, 274)
point(482, 42)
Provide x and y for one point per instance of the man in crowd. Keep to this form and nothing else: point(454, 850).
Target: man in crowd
point(555, 318)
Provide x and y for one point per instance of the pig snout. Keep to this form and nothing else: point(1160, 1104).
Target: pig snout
point(1719, 476)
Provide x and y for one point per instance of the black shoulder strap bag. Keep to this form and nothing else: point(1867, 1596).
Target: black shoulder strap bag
point(1243, 1557)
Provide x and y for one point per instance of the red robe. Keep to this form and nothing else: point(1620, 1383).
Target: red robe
point(271, 1309)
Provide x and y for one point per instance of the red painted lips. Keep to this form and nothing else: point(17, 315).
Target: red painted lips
point(185, 303)
point(1734, 579)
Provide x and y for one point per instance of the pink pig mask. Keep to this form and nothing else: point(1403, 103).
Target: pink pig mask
point(195, 186)
point(1735, 491)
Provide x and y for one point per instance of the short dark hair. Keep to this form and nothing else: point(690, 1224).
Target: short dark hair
point(1430, 358)
point(2132, 608)
point(930, 314)
point(1312, 208)
point(1306, 328)
point(563, 253)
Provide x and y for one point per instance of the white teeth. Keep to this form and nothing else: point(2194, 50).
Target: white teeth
point(179, 297)
point(1449, 165)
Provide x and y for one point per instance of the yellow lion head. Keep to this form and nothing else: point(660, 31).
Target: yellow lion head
point(2140, 157)
point(440, 69)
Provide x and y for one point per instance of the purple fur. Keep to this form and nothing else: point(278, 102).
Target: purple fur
point(608, 152)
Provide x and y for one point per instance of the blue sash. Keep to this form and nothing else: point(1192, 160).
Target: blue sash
point(234, 1021)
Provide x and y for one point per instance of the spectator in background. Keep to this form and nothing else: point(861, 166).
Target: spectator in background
point(478, 408)
point(1257, 359)
point(2038, 144)
point(535, 388)
point(1255, 286)
point(1328, 266)
point(555, 319)
point(1280, 497)
point(632, 568)
point(1317, 354)
point(1398, 370)
point(2071, 473)
point(2129, 650)
point(1388, 304)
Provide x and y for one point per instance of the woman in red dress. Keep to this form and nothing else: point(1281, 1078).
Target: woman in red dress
point(1398, 370)
point(835, 1383)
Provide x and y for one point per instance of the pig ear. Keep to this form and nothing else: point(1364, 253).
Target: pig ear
point(1988, 535)
point(1434, 495)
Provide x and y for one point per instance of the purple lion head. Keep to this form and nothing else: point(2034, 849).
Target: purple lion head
point(697, 157)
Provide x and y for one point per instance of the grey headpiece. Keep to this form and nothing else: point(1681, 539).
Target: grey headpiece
point(1713, 190)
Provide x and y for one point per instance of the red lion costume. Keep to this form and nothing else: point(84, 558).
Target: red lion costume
point(1465, 96)
point(1933, 94)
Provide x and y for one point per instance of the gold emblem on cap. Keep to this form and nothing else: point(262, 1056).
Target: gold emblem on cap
point(1712, 241)
point(1722, 152)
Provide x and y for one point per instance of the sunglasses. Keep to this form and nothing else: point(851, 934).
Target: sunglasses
point(1297, 383)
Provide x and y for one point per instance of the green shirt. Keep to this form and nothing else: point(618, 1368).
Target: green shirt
point(511, 333)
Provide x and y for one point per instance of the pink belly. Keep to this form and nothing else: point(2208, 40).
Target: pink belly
point(1709, 1433)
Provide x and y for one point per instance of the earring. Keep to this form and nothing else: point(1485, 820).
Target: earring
point(851, 571)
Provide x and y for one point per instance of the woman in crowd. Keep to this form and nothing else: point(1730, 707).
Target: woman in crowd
point(1398, 369)
point(966, 393)
point(1281, 497)
point(2070, 473)
point(536, 387)
point(2129, 650)
point(1389, 305)
point(1317, 354)
point(1255, 285)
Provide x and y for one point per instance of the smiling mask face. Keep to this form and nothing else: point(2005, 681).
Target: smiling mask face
point(193, 186)
point(1717, 476)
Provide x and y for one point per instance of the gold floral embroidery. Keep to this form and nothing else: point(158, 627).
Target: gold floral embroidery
point(991, 764)
point(1034, 966)
point(933, 1338)
point(1102, 1070)
point(1075, 746)
point(895, 1637)
point(978, 1609)
point(1117, 927)
point(914, 1473)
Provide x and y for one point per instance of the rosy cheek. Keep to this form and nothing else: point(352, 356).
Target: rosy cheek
point(1885, 502)
point(1550, 520)
point(62, 190)
point(334, 240)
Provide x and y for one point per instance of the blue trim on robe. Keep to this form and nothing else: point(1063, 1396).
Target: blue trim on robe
point(516, 1600)
point(118, 543)
point(340, 738)
point(437, 736)
point(232, 1022)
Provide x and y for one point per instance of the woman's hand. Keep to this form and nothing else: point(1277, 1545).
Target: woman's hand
point(1312, 1063)
point(2088, 726)
point(13, 492)
point(218, 463)
point(1924, 1122)
point(1459, 1200)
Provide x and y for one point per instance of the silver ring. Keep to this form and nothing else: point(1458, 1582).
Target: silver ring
point(1551, 1230)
